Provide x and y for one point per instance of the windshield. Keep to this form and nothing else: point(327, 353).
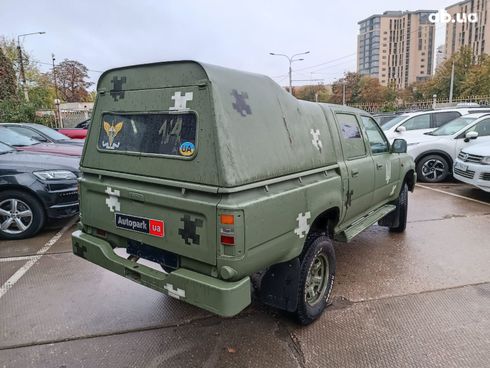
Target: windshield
point(390, 124)
point(453, 126)
point(4, 148)
point(156, 133)
point(15, 139)
point(51, 133)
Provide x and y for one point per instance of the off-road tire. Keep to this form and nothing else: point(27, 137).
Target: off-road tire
point(38, 214)
point(402, 208)
point(317, 249)
point(436, 162)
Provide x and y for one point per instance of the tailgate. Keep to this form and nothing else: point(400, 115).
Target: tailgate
point(165, 217)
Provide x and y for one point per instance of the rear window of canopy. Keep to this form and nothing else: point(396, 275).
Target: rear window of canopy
point(149, 133)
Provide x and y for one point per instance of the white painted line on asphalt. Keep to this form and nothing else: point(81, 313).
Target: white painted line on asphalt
point(453, 194)
point(16, 259)
point(21, 271)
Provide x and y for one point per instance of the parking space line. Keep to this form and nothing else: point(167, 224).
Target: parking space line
point(21, 271)
point(16, 259)
point(453, 194)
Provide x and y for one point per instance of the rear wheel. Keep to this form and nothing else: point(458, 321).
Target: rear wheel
point(21, 215)
point(432, 169)
point(317, 273)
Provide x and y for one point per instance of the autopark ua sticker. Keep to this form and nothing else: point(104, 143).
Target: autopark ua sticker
point(140, 224)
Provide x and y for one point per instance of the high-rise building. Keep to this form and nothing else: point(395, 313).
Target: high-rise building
point(460, 31)
point(396, 47)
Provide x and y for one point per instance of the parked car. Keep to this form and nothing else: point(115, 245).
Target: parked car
point(35, 188)
point(84, 124)
point(472, 166)
point(383, 118)
point(194, 180)
point(79, 132)
point(42, 133)
point(415, 124)
point(435, 152)
point(24, 143)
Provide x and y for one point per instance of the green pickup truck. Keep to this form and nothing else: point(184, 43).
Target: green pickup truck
point(216, 175)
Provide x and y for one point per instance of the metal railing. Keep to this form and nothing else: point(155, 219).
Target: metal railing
point(421, 105)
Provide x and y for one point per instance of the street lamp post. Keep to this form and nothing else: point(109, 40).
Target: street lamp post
point(451, 86)
point(291, 60)
point(21, 63)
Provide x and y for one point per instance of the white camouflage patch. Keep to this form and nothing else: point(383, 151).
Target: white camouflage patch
point(388, 171)
point(174, 293)
point(303, 226)
point(316, 139)
point(180, 101)
point(112, 202)
point(393, 190)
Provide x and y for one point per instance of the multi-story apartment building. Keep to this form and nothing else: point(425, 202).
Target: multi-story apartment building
point(460, 31)
point(396, 47)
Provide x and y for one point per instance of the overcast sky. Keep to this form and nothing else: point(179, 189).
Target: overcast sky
point(238, 34)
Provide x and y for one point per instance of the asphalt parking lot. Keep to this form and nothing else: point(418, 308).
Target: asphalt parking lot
point(418, 299)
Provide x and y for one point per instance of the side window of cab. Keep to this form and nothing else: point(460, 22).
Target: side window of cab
point(377, 140)
point(350, 132)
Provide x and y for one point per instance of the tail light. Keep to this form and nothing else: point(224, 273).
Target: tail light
point(227, 231)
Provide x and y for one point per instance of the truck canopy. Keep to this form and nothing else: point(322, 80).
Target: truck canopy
point(198, 123)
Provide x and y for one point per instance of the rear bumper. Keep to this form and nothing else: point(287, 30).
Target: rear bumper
point(220, 297)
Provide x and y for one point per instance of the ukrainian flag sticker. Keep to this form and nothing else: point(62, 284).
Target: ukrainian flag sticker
point(187, 149)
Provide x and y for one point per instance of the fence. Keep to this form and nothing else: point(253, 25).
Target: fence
point(421, 105)
point(70, 118)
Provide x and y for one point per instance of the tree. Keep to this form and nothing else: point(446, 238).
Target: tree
point(73, 81)
point(477, 82)
point(312, 93)
point(440, 83)
point(8, 82)
point(352, 90)
point(371, 91)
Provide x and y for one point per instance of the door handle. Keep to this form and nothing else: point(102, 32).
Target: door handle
point(355, 173)
point(379, 166)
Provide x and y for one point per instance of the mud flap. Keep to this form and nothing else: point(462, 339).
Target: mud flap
point(279, 286)
point(392, 219)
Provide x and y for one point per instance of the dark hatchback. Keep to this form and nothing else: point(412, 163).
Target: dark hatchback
point(35, 188)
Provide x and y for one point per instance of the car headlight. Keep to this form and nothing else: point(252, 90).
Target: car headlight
point(485, 160)
point(55, 175)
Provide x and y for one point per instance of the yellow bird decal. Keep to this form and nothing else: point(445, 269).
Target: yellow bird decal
point(112, 130)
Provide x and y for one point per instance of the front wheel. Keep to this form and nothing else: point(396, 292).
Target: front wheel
point(21, 215)
point(317, 274)
point(432, 169)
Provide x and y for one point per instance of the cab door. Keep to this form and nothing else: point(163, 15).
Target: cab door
point(386, 165)
point(360, 166)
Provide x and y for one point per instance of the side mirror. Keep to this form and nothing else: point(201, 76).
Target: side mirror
point(470, 135)
point(399, 146)
point(401, 129)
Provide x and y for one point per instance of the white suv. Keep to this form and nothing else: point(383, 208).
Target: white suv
point(435, 152)
point(415, 124)
point(473, 166)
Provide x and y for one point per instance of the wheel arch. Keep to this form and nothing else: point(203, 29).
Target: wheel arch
point(409, 179)
point(442, 153)
point(24, 189)
point(326, 222)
